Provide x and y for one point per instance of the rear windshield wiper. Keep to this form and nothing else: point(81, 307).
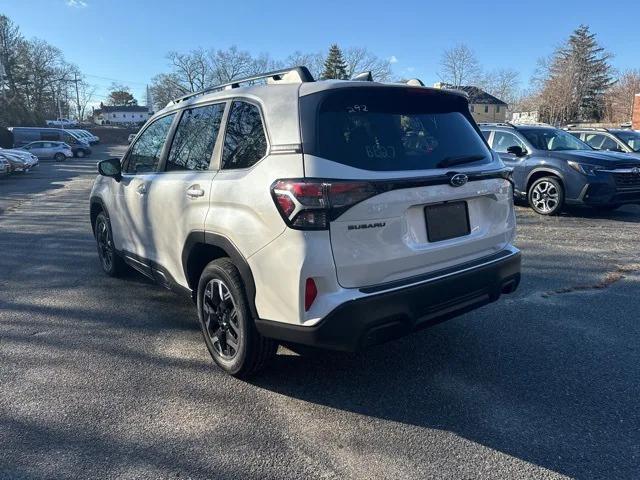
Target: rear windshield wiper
point(459, 160)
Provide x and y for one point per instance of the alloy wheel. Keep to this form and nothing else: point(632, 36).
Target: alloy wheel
point(221, 322)
point(545, 197)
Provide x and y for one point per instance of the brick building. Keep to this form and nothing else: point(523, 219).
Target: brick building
point(636, 112)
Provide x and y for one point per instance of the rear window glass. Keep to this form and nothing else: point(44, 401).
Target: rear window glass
point(390, 128)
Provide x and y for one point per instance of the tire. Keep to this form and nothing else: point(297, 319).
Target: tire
point(546, 196)
point(228, 322)
point(80, 154)
point(112, 264)
point(59, 157)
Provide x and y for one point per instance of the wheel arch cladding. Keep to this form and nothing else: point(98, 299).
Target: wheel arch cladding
point(200, 248)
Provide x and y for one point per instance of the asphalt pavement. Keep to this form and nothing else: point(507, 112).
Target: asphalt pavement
point(110, 378)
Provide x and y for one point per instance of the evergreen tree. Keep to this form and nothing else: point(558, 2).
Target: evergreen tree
point(582, 66)
point(334, 66)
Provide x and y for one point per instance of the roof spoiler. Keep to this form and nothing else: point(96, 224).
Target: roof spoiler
point(299, 74)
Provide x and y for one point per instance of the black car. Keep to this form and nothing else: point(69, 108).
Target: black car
point(552, 168)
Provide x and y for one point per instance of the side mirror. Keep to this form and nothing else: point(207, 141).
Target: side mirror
point(517, 150)
point(110, 168)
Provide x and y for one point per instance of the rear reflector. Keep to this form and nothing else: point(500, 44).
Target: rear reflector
point(310, 293)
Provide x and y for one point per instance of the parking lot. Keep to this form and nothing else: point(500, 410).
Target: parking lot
point(105, 378)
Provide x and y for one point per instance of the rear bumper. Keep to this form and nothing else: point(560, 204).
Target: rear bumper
point(390, 314)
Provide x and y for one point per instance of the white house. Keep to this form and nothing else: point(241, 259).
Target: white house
point(121, 115)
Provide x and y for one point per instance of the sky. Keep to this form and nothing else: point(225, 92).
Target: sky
point(127, 40)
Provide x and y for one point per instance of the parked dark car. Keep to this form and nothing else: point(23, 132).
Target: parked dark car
point(552, 168)
point(25, 135)
point(612, 139)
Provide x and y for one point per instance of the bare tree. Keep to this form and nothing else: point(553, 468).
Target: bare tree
point(359, 60)
point(313, 61)
point(458, 66)
point(191, 70)
point(86, 93)
point(619, 98)
point(503, 83)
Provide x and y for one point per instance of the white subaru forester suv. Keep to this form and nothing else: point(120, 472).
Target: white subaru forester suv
point(336, 214)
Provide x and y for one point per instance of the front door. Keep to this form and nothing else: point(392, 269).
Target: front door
point(131, 233)
point(178, 197)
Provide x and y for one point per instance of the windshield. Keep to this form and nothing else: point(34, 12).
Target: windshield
point(391, 129)
point(631, 138)
point(552, 139)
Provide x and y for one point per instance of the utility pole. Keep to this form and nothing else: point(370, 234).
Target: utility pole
point(75, 80)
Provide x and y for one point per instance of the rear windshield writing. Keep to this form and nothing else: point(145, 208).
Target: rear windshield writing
point(386, 130)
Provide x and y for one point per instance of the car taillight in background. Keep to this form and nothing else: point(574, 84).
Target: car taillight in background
point(310, 204)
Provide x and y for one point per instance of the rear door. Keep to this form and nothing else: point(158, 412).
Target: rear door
point(177, 201)
point(408, 144)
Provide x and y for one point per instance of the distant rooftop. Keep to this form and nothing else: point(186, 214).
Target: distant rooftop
point(123, 108)
point(476, 95)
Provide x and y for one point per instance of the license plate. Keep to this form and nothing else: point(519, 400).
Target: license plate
point(447, 220)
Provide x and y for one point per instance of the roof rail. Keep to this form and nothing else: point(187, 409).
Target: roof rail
point(302, 73)
point(363, 77)
point(497, 124)
point(591, 129)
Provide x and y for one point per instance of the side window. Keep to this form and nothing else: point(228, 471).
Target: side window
point(486, 134)
point(145, 153)
point(503, 140)
point(595, 140)
point(609, 144)
point(195, 138)
point(49, 135)
point(245, 142)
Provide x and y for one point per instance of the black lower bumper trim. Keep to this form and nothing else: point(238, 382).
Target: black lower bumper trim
point(385, 316)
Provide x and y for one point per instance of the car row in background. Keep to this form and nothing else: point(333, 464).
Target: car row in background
point(16, 161)
point(553, 168)
point(80, 141)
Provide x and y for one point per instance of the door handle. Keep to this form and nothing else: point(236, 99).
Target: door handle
point(195, 191)
point(142, 189)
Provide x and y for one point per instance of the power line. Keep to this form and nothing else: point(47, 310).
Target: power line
point(114, 79)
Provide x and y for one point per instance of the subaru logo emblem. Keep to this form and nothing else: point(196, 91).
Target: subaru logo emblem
point(458, 180)
point(635, 170)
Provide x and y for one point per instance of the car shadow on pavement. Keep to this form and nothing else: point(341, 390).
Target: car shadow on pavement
point(553, 392)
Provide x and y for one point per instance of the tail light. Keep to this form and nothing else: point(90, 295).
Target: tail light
point(312, 204)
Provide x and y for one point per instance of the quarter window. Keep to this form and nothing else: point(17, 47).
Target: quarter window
point(245, 142)
point(195, 138)
point(145, 153)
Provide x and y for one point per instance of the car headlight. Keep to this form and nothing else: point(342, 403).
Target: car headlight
point(585, 168)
